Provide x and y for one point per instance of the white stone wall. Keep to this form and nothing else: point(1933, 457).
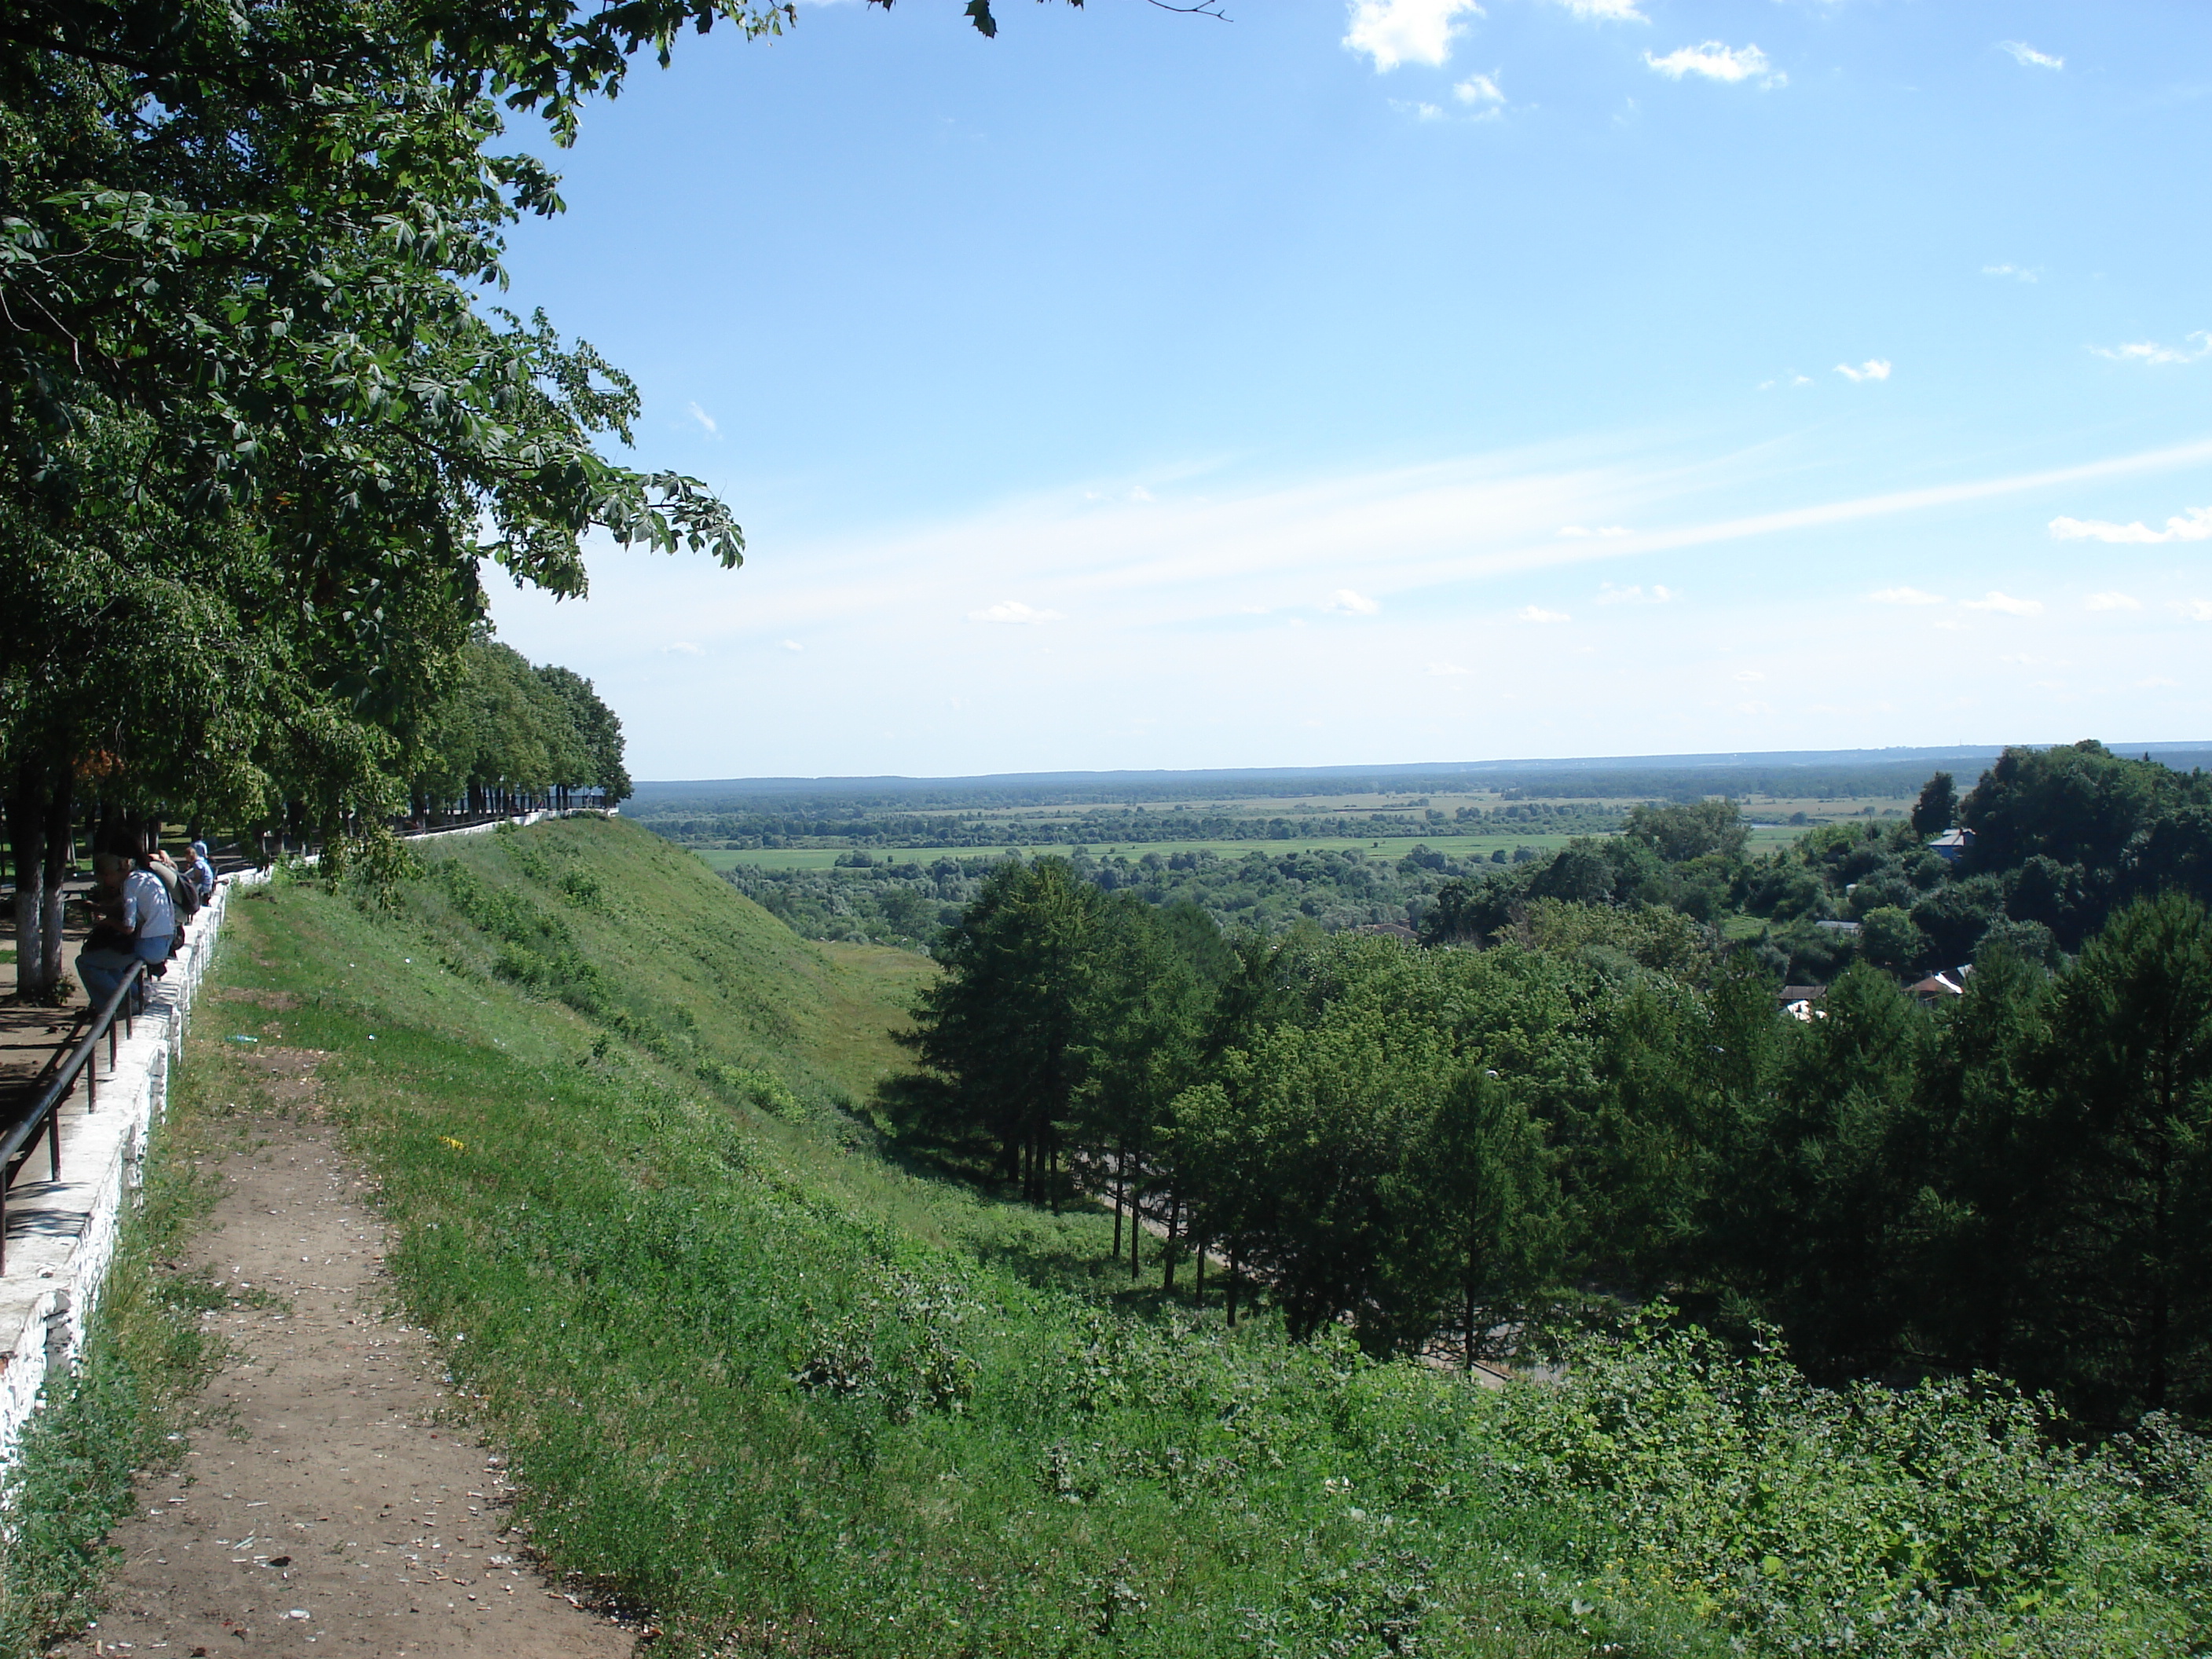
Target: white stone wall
point(62, 1235)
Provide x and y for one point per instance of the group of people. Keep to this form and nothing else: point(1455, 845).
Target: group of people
point(139, 905)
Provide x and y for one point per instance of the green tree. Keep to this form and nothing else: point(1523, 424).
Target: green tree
point(2125, 1253)
point(1937, 809)
point(1310, 1150)
point(1493, 1231)
point(1002, 1029)
point(1689, 829)
point(1891, 937)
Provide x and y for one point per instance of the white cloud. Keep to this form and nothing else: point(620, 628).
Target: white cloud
point(1531, 613)
point(1906, 596)
point(2194, 609)
point(2018, 273)
point(2150, 351)
point(1394, 31)
point(1012, 610)
point(2113, 602)
point(681, 648)
point(1873, 369)
point(1345, 603)
point(1609, 594)
point(2029, 58)
point(2194, 526)
point(1606, 11)
point(1749, 674)
point(2005, 603)
point(705, 420)
point(1577, 531)
point(1716, 61)
point(793, 645)
point(1481, 93)
point(1445, 670)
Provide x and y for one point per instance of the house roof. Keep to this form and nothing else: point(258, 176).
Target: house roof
point(1936, 985)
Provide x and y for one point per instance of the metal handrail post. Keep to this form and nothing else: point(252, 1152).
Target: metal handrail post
point(48, 1110)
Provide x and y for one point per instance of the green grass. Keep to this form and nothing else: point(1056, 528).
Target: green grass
point(799, 1399)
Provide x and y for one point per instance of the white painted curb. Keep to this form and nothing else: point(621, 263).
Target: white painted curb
point(62, 1235)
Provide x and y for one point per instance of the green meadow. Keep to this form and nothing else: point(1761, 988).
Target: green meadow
point(761, 1373)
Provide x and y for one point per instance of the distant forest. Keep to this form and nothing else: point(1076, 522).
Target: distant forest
point(2106, 826)
point(1585, 1086)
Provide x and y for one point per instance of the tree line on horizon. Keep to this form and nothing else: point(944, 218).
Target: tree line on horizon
point(1475, 1144)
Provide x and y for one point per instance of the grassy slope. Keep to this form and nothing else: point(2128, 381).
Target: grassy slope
point(801, 1402)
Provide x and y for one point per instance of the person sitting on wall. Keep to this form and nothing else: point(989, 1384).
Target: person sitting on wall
point(195, 869)
point(140, 925)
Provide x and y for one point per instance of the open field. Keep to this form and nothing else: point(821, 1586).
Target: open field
point(1765, 837)
point(824, 858)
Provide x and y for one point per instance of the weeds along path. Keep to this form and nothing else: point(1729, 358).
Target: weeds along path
point(341, 1511)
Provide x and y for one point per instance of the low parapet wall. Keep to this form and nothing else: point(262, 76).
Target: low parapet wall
point(62, 1234)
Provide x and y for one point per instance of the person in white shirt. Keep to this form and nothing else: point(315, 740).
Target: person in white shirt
point(137, 905)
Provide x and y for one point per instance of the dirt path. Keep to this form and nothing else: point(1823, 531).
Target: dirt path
point(341, 1513)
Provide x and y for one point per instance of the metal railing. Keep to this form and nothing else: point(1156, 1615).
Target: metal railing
point(59, 1080)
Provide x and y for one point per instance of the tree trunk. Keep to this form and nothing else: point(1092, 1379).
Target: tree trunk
point(1167, 1256)
point(1137, 1222)
point(27, 838)
point(1198, 1275)
point(1468, 1307)
point(1230, 1297)
point(1121, 1192)
point(60, 802)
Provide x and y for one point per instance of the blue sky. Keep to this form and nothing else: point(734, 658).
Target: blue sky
point(1418, 381)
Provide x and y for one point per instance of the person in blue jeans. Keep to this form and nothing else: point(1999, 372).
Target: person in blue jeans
point(142, 924)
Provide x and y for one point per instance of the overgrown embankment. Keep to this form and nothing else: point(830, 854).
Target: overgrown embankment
point(801, 1401)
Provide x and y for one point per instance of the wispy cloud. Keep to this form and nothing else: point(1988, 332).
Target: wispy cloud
point(1747, 674)
point(706, 420)
point(1446, 670)
point(1785, 380)
point(2194, 609)
point(2113, 602)
point(1873, 369)
point(1609, 594)
point(2195, 524)
point(1715, 60)
point(1607, 11)
point(1480, 94)
point(2029, 58)
point(1906, 596)
point(793, 645)
point(2150, 351)
point(681, 648)
point(1012, 610)
point(1577, 532)
point(1394, 31)
point(2006, 604)
point(1536, 613)
point(1345, 603)
point(2018, 273)
point(1242, 544)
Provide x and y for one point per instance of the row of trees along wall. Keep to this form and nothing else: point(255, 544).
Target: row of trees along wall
point(504, 737)
point(258, 441)
point(1468, 1144)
